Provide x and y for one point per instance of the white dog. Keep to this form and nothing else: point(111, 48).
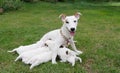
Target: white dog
point(67, 55)
point(64, 35)
point(72, 58)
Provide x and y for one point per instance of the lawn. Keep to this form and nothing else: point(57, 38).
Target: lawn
point(98, 36)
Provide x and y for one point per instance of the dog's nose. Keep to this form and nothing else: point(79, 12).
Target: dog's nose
point(72, 29)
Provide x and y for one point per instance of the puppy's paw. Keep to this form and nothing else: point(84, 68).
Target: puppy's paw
point(79, 52)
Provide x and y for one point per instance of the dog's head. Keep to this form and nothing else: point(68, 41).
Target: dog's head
point(70, 22)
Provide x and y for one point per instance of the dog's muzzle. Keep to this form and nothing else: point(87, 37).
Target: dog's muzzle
point(72, 31)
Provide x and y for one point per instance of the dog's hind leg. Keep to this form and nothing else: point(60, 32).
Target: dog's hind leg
point(19, 57)
point(34, 64)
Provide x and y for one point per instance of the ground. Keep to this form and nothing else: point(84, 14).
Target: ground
point(98, 36)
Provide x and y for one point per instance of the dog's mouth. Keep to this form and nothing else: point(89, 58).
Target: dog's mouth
point(72, 33)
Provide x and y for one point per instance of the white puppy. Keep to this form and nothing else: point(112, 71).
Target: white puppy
point(29, 54)
point(72, 58)
point(25, 56)
point(39, 59)
point(67, 55)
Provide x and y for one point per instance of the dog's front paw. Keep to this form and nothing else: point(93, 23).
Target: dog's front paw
point(79, 52)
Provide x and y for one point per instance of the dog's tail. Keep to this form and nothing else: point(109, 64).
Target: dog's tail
point(17, 58)
point(12, 50)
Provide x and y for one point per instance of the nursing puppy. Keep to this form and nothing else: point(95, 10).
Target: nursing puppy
point(71, 58)
point(29, 54)
point(25, 56)
point(67, 55)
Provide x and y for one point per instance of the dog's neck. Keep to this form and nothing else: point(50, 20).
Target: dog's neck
point(65, 32)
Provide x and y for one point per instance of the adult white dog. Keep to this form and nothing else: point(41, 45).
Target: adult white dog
point(61, 36)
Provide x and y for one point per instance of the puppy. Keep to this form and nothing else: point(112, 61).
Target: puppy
point(71, 58)
point(67, 55)
point(29, 54)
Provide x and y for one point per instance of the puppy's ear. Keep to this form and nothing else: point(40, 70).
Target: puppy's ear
point(67, 52)
point(62, 16)
point(46, 44)
point(77, 15)
point(61, 46)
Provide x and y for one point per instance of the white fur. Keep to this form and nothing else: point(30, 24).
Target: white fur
point(70, 57)
point(51, 46)
point(41, 58)
point(29, 54)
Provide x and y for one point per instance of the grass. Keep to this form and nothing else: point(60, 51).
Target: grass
point(98, 36)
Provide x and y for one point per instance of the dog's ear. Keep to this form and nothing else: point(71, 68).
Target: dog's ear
point(62, 16)
point(46, 44)
point(77, 15)
point(61, 46)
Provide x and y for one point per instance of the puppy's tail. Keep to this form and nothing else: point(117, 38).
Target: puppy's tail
point(17, 58)
point(12, 50)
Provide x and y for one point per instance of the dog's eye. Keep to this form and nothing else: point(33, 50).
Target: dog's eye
point(67, 22)
point(75, 21)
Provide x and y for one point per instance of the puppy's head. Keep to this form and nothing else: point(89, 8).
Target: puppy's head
point(70, 53)
point(70, 22)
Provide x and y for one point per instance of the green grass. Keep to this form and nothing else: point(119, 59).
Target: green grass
point(98, 36)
